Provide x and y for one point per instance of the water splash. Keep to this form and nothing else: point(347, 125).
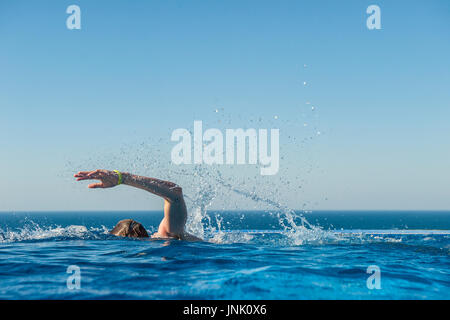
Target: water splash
point(33, 231)
point(203, 197)
point(210, 182)
point(205, 185)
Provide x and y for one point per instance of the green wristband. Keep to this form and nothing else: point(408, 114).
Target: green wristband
point(120, 177)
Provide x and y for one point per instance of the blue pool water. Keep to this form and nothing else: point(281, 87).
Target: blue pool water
point(247, 255)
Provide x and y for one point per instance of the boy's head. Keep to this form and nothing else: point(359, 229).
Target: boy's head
point(129, 228)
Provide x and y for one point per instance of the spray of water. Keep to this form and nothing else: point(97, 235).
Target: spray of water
point(209, 183)
point(32, 231)
point(204, 185)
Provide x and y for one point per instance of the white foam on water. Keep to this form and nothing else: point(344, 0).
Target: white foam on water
point(351, 232)
point(422, 232)
point(34, 231)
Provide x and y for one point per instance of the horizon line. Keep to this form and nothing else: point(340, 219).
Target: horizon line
point(233, 210)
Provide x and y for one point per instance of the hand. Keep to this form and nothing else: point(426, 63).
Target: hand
point(108, 178)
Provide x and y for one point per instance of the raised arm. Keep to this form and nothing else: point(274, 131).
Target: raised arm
point(108, 179)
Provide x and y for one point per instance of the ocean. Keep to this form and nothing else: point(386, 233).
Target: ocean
point(245, 255)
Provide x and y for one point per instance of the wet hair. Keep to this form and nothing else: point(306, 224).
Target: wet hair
point(129, 228)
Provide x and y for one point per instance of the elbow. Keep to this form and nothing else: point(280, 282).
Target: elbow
point(176, 194)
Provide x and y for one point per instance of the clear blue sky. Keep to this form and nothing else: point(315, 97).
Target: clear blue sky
point(110, 94)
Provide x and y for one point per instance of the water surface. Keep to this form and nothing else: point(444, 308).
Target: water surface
point(246, 255)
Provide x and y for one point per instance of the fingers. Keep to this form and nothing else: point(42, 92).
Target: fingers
point(84, 173)
point(81, 174)
point(89, 174)
point(101, 175)
point(83, 178)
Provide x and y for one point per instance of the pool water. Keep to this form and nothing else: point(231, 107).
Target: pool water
point(246, 255)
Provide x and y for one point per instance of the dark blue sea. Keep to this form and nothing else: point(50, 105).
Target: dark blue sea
point(245, 255)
